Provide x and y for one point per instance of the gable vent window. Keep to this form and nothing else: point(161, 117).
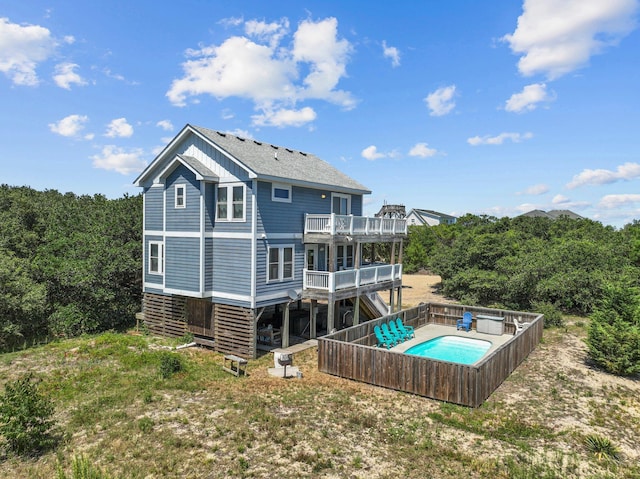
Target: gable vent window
point(281, 193)
point(181, 196)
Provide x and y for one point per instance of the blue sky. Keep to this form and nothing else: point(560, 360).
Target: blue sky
point(461, 107)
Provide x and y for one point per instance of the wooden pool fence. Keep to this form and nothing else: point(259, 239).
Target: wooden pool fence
point(352, 353)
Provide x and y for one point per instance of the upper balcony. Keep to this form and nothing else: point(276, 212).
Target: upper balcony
point(364, 227)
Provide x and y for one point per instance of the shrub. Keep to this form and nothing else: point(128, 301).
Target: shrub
point(614, 333)
point(552, 314)
point(81, 468)
point(145, 424)
point(69, 321)
point(602, 447)
point(170, 364)
point(25, 417)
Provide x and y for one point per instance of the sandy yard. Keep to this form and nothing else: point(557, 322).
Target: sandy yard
point(421, 288)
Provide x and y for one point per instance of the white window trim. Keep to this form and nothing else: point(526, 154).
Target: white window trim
point(281, 249)
point(280, 186)
point(340, 195)
point(229, 187)
point(160, 245)
point(184, 196)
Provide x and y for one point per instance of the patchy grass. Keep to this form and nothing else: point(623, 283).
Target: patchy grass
point(555, 417)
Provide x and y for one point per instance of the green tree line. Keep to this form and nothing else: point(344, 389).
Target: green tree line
point(69, 264)
point(573, 266)
point(519, 262)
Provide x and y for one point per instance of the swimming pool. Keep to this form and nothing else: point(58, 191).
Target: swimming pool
point(454, 349)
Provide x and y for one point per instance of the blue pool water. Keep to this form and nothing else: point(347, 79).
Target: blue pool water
point(452, 348)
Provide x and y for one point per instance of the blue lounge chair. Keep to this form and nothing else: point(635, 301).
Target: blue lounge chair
point(396, 332)
point(382, 341)
point(465, 322)
point(386, 332)
point(407, 330)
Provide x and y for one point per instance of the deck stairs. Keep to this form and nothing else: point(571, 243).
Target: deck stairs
point(373, 306)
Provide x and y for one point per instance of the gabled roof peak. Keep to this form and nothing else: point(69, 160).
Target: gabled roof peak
point(257, 158)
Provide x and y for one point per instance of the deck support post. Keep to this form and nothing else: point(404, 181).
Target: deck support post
point(313, 316)
point(331, 313)
point(356, 311)
point(391, 300)
point(285, 326)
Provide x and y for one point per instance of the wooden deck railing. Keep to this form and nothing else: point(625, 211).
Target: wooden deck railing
point(353, 225)
point(351, 353)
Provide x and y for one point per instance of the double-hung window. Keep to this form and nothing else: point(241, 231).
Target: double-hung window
point(181, 196)
point(230, 204)
point(280, 267)
point(156, 257)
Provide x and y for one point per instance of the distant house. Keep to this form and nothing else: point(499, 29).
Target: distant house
point(553, 214)
point(429, 217)
point(236, 230)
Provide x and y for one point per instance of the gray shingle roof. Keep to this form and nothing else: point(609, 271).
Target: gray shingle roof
point(272, 162)
point(198, 167)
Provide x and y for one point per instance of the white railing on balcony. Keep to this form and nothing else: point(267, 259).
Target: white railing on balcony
point(351, 278)
point(353, 225)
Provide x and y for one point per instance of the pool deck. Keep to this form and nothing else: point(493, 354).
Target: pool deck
point(431, 331)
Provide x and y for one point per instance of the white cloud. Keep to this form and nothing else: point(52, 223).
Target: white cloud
point(557, 37)
point(271, 33)
point(241, 133)
point(268, 73)
point(22, 47)
point(118, 159)
point(285, 117)
point(625, 172)
point(528, 98)
point(616, 201)
point(525, 207)
point(119, 128)
point(70, 126)
point(391, 52)
point(231, 21)
point(560, 200)
point(317, 44)
point(166, 125)
point(65, 76)
point(422, 150)
point(499, 139)
point(227, 114)
point(440, 102)
point(371, 153)
point(538, 189)
point(238, 67)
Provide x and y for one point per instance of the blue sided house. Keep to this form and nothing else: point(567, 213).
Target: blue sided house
point(248, 245)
